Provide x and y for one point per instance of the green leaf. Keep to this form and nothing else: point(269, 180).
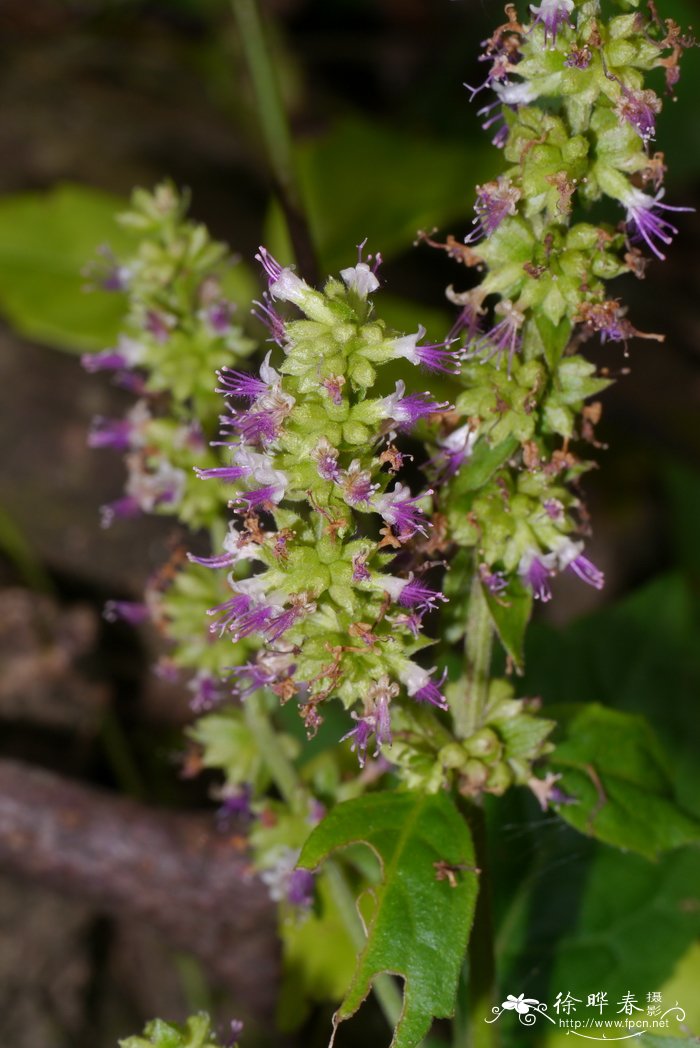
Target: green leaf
point(511, 614)
point(364, 179)
point(483, 464)
point(46, 240)
point(419, 927)
point(196, 1033)
point(614, 766)
point(554, 338)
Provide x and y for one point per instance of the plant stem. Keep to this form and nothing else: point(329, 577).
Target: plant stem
point(279, 765)
point(275, 132)
point(469, 707)
point(471, 1030)
point(292, 790)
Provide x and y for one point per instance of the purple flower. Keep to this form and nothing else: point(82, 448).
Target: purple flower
point(283, 283)
point(110, 433)
point(159, 325)
point(240, 384)
point(535, 570)
point(127, 354)
point(133, 612)
point(501, 65)
point(229, 611)
point(301, 604)
point(269, 668)
point(255, 427)
point(218, 316)
point(270, 318)
point(356, 484)
point(360, 571)
point(434, 357)
point(235, 804)
point(552, 14)
point(235, 1031)
point(271, 493)
point(206, 692)
point(639, 108)
point(125, 508)
point(494, 581)
point(420, 685)
point(503, 339)
point(227, 474)
point(569, 555)
point(412, 593)
point(454, 450)
point(300, 888)
point(579, 57)
point(399, 509)
point(327, 461)
point(647, 224)
point(376, 720)
point(494, 202)
point(407, 410)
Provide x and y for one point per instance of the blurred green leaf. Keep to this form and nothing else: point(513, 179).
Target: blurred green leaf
point(612, 763)
point(46, 240)
point(366, 180)
point(420, 924)
point(196, 1033)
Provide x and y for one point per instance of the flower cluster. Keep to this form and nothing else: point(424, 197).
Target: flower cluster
point(574, 122)
point(319, 555)
point(178, 328)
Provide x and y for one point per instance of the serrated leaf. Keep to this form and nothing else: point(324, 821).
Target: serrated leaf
point(46, 240)
point(511, 613)
point(420, 924)
point(614, 766)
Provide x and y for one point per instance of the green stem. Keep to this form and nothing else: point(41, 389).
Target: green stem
point(279, 765)
point(468, 708)
point(275, 131)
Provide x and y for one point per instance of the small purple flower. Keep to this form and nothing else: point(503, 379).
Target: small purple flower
point(412, 593)
point(125, 508)
point(495, 201)
point(376, 720)
point(229, 611)
point(579, 57)
point(227, 474)
point(133, 612)
point(235, 804)
point(646, 223)
point(206, 692)
point(106, 273)
point(240, 384)
point(407, 410)
point(327, 461)
point(494, 581)
point(300, 888)
point(569, 555)
point(399, 509)
point(113, 433)
point(301, 604)
point(360, 571)
point(283, 283)
point(552, 15)
point(434, 357)
point(235, 1031)
point(503, 339)
point(454, 450)
point(501, 66)
point(270, 318)
point(554, 509)
point(269, 668)
point(271, 493)
point(356, 484)
point(639, 109)
point(218, 316)
point(127, 354)
point(420, 685)
point(255, 427)
point(535, 570)
point(159, 325)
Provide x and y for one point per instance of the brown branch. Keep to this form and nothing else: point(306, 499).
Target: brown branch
point(170, 869)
